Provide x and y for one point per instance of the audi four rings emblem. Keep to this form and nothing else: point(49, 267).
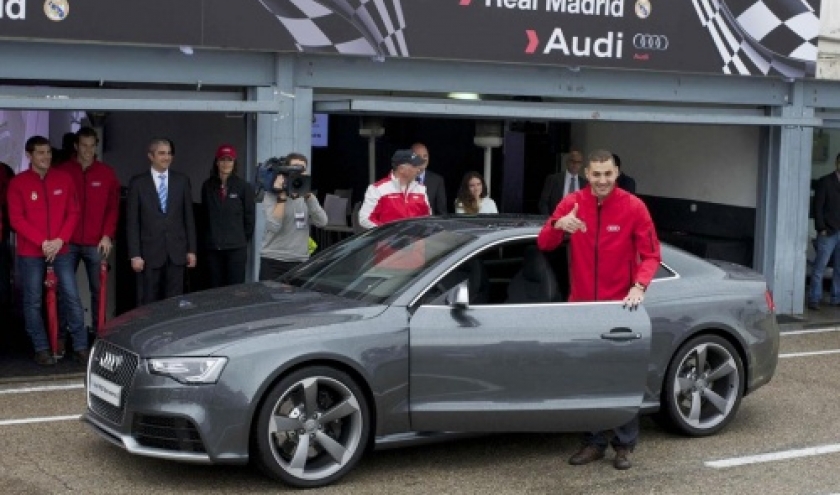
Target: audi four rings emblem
point(656, 42)
point(110, 361)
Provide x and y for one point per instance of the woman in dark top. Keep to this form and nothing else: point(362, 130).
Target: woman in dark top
point(229, 204)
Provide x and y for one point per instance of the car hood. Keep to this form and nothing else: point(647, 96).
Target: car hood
point(203, 322)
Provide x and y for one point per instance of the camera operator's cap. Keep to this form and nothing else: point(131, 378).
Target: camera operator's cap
point(226, 150)
point(408, 157)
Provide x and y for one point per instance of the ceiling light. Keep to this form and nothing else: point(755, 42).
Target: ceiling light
point(464, 96)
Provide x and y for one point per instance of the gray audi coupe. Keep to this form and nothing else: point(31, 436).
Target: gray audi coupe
point(424, 329)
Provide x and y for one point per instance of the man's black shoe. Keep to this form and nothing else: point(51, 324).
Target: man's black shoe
point(44, 358)
point(622, 459)
point(814, 306)
point(587, 454)
point(81, 356)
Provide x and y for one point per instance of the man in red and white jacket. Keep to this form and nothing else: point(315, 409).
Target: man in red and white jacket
point(44, 211)
point(397, 196)
point(98, 191)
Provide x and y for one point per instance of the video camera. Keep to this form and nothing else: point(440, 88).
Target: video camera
point(295, 184)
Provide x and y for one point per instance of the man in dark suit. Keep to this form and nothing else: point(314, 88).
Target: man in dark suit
point(435, 188)
point(624, 181)
point(160, 228)
point(562, 183)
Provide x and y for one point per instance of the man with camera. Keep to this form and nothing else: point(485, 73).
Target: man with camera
point(290, 209)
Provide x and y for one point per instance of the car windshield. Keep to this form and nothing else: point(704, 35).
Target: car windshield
point(378, 264)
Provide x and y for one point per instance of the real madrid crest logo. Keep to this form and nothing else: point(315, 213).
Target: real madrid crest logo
point(34, 196)
point(643, 9)
point(56, 10)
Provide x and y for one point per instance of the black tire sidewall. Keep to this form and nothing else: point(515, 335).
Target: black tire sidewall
point(263, 456)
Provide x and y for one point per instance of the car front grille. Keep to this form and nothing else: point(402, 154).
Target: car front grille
point(118, 366)
point(167, 433)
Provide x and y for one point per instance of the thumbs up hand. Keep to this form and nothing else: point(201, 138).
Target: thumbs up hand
point(570, 223)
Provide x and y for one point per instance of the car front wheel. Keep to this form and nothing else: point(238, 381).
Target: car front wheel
point(703, 386)
point(312, 428)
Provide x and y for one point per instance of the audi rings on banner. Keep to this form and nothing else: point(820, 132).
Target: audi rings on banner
point(654, 42)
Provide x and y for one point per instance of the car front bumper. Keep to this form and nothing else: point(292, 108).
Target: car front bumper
point(155, 416)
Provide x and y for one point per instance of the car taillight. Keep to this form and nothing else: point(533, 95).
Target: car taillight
point(768, 296)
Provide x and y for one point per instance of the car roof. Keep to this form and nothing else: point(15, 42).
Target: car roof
point(482, 224)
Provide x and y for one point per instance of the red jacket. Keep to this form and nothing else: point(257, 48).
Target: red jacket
point(98, 190)
point(386, 201)
point(619, 248)
point(42, 209)
point(4, 186)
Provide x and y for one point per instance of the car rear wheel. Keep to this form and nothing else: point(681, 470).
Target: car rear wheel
point(312, 428)
point(703, 386)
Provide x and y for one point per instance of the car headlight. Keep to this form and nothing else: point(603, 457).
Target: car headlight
point(191, 371)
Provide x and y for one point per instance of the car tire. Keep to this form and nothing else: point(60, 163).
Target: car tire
point(703, 387)
point(312, 428)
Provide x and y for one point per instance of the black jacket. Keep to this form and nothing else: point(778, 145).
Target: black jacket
point(553, 191)
point(436, 191)
point(230, 223)
point(626, 182)
point(827, 204)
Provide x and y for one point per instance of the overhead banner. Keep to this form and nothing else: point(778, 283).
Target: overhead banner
point(741, 37)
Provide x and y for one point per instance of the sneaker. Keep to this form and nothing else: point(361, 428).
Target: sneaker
point(622, 459)
point(44, 358)
point(59, 353)
point(587, 454)
point(814, 306)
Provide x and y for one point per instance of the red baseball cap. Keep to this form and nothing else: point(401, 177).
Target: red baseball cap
point(226, 150)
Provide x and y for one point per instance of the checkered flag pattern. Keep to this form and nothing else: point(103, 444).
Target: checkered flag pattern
point(762, 36)
point(354, 27)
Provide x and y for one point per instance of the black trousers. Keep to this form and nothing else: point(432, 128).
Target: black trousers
point(272, 269)
point(226, 266)
point(155, 284)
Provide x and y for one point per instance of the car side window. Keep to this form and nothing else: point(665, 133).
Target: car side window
point(663, 272)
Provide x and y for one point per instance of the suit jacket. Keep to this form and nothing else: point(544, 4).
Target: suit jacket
point(627, 183)
point(152, 234)
point(553, 189)
point(436, 191)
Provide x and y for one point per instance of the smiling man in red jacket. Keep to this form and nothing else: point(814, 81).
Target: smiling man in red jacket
point(614, 256)
point(44, 211)
point(98, 191)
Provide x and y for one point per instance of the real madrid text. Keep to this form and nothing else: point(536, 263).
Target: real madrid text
point(15, 10)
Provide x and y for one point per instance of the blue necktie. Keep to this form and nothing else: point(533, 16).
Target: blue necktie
point(162, 192)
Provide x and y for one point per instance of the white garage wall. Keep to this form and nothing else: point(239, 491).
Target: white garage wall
point(717, 164)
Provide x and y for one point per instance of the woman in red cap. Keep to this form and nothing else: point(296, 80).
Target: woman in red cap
point(229, 204)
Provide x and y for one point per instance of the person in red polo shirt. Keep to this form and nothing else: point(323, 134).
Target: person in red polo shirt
point(98, 191)
point(44, 211)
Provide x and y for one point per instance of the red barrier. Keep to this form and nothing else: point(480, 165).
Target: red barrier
point(51, 283)
point(103, 296)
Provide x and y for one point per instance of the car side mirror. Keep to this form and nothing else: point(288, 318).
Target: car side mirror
point(459, 296)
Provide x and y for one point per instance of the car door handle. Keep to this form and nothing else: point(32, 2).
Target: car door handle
point(621, 333)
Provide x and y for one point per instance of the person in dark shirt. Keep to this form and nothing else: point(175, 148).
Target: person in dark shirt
point(827, 224)
point(624, 181)
point(228, 201)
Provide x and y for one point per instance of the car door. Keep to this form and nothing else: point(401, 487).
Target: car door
point(527, 367)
